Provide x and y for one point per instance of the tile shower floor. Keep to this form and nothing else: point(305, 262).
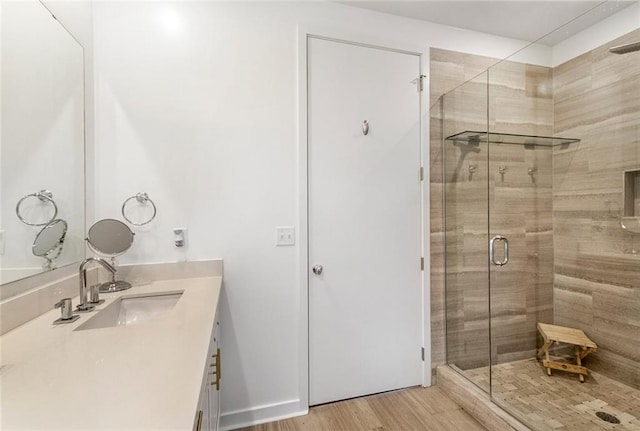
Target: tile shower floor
point(560, 402)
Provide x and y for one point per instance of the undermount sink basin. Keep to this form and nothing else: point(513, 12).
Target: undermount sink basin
point(133, 309)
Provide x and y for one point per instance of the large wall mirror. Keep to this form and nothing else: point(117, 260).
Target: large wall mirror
point(42, 143)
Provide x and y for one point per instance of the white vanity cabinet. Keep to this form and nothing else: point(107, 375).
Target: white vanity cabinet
point(43, 361)
point(208, 414)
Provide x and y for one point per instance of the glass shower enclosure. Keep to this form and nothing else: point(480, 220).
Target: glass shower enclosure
point(499, 234)
point(541, 210)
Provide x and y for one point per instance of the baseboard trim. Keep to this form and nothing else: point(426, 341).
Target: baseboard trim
point(262, 414)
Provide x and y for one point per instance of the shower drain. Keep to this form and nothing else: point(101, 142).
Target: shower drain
point(608, 417)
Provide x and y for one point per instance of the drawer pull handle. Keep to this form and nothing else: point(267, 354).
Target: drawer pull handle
point(199, 421)
point(217, 372)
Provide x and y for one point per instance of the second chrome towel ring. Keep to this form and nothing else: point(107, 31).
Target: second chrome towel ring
point(44, 196)
point(142, 198)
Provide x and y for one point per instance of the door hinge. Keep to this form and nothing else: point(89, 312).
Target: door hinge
point(422, 263)
point(422, 354)
point(421, 174)
point(419, 81)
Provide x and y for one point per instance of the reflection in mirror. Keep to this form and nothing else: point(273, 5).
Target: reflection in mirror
point(41, 141)
point(111, 238)
point(37, 209)
point(49, 241)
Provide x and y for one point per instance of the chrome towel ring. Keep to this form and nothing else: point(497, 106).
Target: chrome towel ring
point(44, 196)
point(142, 198)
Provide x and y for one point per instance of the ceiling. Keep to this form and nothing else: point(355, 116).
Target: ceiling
point(523, 20)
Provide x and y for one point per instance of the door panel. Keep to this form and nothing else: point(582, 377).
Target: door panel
point(520, 208)
point(364, 221)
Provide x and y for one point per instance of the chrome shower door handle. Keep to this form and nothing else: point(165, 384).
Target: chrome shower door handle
point(505, 245)
point(492, 250)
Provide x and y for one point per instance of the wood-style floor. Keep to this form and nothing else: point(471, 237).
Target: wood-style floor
point(404, 410)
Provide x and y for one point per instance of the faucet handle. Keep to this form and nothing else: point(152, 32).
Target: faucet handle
point(66, 306)
point(94, 295)
point(66, 309)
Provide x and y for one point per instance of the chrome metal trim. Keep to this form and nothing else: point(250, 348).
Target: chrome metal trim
point(84, 305)
point(57, 247)
point(492, 250)
point(142, 198)
point(365, 128)
point(505, 244)
point(44, 196)
point(66, 309)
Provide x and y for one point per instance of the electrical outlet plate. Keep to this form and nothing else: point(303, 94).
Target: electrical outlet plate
point(285, 235)
point(179, 236)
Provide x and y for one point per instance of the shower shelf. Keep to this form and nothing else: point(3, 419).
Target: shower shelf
point(474, 137)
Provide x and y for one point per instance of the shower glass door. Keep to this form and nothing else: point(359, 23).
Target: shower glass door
point(466, 221)
point(521, 264)
point(498, 220)
point(520, 217)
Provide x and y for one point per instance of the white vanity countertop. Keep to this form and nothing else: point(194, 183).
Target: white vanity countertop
point(138, 377)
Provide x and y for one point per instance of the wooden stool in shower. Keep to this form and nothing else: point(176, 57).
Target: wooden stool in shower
point(560, 334)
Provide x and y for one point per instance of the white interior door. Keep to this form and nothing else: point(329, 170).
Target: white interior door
point(364, 221)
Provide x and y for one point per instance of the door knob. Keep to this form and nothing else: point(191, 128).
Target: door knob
point(317, 269)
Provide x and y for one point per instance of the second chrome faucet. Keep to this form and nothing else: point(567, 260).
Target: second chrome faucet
point(84, 305)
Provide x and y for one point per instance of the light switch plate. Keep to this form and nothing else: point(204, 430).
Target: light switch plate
point(285, 235)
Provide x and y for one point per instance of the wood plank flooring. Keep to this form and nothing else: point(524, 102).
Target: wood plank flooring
point(404, 410)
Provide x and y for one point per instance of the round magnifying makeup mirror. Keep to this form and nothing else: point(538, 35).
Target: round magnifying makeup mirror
point(110, 238)
point(49, 240)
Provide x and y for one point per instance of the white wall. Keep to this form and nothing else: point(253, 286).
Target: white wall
point(623, 22)
point(42, 134)
point(196, 104)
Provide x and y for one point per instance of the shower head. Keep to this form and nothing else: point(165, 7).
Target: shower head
point(625, 49)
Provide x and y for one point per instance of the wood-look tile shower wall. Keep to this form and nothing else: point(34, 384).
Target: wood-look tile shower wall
point(572, 264)
point(597, 265)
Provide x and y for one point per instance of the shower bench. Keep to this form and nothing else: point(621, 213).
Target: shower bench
point(560, 334)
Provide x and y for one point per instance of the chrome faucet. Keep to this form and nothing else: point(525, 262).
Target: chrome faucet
point(84, 305)
point(67, 312)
